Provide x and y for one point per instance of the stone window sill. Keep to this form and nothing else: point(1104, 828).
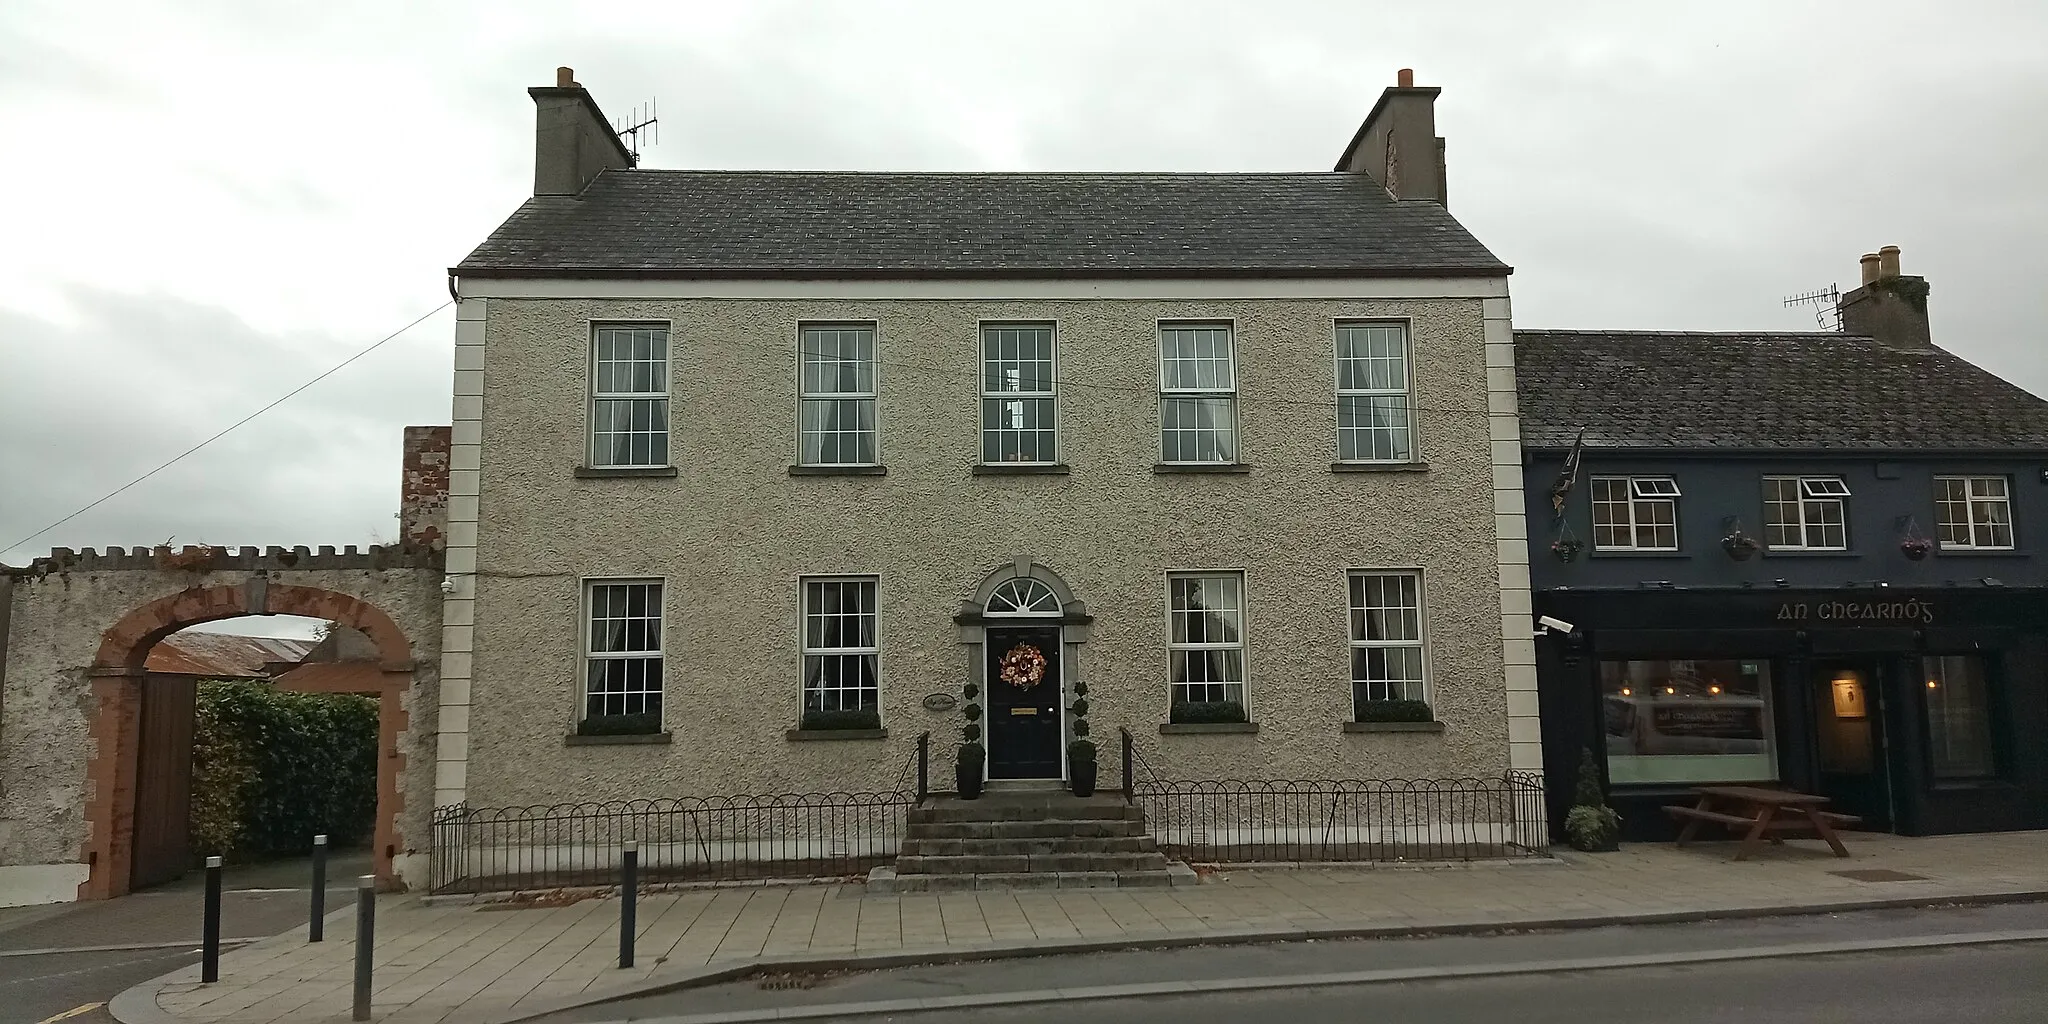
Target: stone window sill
point(605, 472)
point(1638, 554)
point(1393, 727)
point(621, 740)
point(1201, 467)
point(1795, 553)
point(827, 735)
point(1979, 553)
point(1379, 467)
point(1020, 469)
point(1200, 728)
point(838, 471)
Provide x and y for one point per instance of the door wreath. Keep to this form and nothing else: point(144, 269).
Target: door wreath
point(1023, 667)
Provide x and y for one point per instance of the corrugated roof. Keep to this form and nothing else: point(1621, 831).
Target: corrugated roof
point(1803, 391)
point(333, 677)
point(223, 655)
point(856, 224)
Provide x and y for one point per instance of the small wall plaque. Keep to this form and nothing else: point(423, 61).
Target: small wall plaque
point(940, 702)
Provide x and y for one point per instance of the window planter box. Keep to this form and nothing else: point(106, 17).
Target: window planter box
point(603, 472)
point(1379, 467)
point(1202, 467)
point(1392, 712)
point(619, 740)
point(1199, 728)
point(1020, 469)
point(828, 735)
point(1218, 712)
point(838, 471)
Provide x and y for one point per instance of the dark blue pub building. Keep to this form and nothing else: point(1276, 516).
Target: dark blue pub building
point(1814, 560)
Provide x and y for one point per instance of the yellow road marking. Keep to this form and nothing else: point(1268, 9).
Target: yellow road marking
point(75, 1011)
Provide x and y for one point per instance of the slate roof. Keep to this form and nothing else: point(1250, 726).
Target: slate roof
point(223, 655)
point(685, 224)
point(1805, 391)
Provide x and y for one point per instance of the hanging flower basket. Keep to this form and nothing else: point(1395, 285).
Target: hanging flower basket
point(1566, 550)
point(1915, 548)
point(1740, 546)
point(1023, 667)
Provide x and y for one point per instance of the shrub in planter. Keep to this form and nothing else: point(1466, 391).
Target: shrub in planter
point(1207, 712)
point(621, 725)
point(1081, 766)
point(1392, 711)
point(967, 772)
point(834, 721)
point(1591, 825)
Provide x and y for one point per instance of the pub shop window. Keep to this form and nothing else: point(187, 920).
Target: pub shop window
point(1672, 721)
point(1959, 742)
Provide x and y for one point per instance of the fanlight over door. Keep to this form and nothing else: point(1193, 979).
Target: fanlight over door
point(1023, 596)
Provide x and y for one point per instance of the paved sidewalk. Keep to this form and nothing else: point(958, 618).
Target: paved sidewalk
point(470, 963)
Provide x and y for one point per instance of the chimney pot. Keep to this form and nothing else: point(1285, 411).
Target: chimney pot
point(1405, 78)
point(1888, 262)
point(565, 78)
point(1870, 262)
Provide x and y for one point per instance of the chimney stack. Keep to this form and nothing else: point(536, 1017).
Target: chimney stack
point(572, 141)
point(1888, 306)
point(1397, 146)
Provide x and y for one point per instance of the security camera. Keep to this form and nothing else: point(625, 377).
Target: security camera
point(1552, 624)
point(447, 584)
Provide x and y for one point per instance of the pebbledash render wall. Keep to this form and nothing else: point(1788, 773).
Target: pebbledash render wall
point(733, 532)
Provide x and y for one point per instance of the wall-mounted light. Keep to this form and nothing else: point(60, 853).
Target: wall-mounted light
point(1714, 690)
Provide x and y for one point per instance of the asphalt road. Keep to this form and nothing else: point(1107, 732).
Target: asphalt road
point(42, 973)
point(2001, 983)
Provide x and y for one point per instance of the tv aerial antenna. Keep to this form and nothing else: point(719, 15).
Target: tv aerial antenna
point(641, 120)
point(1826, 303)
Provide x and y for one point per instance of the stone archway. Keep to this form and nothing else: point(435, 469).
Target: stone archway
point(118, 673)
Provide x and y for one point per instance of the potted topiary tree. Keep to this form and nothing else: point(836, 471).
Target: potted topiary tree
point(973, 761)
point(1081, 752)
point(1591, 825)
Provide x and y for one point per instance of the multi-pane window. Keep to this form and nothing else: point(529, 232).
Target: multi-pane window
point(1205, 656)
point(841, 645)
point(1018, 407)
point(837, 415)
point(1973, 511)
point(629, 396)
point(622, 648)
point(1197, 393)
point(1635, 513)
point(1958, 717)
point(1373, 417)
point(1386, 637)
point(1806, 513)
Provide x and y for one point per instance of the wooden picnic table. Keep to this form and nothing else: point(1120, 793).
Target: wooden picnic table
point(1760, 813)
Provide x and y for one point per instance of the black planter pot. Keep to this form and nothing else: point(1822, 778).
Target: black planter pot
point(967, 772)
point(1082, 774)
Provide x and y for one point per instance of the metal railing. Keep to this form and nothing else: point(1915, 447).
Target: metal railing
point(1324, 820)
point(723, 838)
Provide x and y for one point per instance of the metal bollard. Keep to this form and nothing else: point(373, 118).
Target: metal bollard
point(316, 929)
point(629, 893)
point(209, 928)
point(366, 941)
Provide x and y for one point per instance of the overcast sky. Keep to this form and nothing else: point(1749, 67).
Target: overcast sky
point(208, 203)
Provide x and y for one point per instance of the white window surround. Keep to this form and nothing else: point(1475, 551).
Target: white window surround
point(1635, 513)
point(623, 623)
point(1806, 513)
point(839, 636)
point(1973, 513)
point(1389, 642)
point(1206, 636)
point(1198, 419)
point(839, 369)
point(1019, 389)
point(629, 402)
point(1375, 385)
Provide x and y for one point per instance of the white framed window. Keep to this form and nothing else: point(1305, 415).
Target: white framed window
point(1635, 513)
point(1973, 513)
point(1375, 422)
point(622, 656)
point(1024, 596)
point(1019, 407)
point(629, 395)
point(1806, 513)
point(1197, 393)
point(837, 384)
point(841, 644)
point(1205, 636)
point(1386, 636)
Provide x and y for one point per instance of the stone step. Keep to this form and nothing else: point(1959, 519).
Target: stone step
point(1043, 863)
point(1011, 847)
point(1025, 807)
point(885, 881)
point(1051, 828)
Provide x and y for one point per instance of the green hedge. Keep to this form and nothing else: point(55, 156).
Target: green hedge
point(270, 770)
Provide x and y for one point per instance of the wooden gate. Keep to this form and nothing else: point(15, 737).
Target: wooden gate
point(163, 782)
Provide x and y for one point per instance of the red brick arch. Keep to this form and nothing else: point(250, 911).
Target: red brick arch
point(119, 672)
